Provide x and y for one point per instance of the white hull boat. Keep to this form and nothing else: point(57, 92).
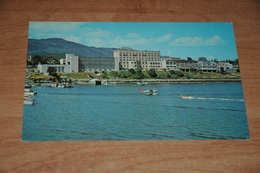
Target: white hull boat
point(149, 92)
point(28, 102)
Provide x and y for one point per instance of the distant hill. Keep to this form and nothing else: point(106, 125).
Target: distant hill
point(52, 46)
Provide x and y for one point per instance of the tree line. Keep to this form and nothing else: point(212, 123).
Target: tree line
point(139, 74)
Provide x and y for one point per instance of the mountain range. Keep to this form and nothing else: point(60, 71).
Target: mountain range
point(58, 47)
point(61, 46)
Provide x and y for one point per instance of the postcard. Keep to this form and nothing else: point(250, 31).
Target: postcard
point(99, 81)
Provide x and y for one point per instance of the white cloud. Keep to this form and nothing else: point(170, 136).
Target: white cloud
point(134, 39)
point(120, 41)
point(72, 38)
point(198, 41)
point(98, 33)
point(133, 36)
point(163, 38)
point(215, 40)
point(97, 42)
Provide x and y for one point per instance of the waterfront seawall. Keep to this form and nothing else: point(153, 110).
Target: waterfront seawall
point(156, 81)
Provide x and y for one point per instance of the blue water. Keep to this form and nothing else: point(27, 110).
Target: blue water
point(122, 113)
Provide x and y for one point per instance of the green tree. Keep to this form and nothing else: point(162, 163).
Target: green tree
point(139, 74)
point(132, 71)
point(50, 60)
point(172, 72)
point(29, 62)
point(173, 76)
point(179, 73)
point(36, 60)
point(163, 76)
point(152, 73)
point(124, 74)
point(113, 74)
point(104, 75)
point(51, 70)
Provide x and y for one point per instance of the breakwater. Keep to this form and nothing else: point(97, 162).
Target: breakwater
point(156, 81)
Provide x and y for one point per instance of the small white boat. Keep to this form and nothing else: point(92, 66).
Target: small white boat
point(61, 86)
point(27, 86)
point(28, 98)
point(54, 85)
point(28, 102)
point(186, 97)
point(93, 81)
point(29, 92)
point(149, 92)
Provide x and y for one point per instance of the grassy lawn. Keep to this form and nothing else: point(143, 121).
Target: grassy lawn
point(211, 75)
point(76, 75)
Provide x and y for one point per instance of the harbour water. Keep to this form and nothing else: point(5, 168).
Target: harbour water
point(89, 113)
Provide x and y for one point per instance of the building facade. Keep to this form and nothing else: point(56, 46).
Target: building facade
point(207, 66)
point(186, 65)
point(225, 66)
point(68, 65)
point(127, 58)
point(96, 64)
point(169, 64)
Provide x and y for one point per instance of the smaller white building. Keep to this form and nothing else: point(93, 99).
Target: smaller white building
point(68, 65)
point(169, 64)
point(157, 65)
point(207, 66)
point(225, 66)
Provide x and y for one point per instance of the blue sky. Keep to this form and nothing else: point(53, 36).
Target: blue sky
point(210, 40)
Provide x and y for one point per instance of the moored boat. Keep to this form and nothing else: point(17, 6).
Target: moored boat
point(28, 102)
point(61, 86)
point(54, 85)
point(27, 86)
point(28, 98)
point(29, 92)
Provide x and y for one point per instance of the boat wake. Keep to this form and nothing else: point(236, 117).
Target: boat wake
point(201, 98)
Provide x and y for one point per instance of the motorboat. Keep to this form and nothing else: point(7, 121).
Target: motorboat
point(28, 102)
point(149, 92)
point(28, 98)
point(29, 92)
point(27, 86)
point(54, 85)
point(186, 97)
point(61, 86)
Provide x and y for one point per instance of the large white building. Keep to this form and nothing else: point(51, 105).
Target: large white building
point(68, 65)
point(127, 58)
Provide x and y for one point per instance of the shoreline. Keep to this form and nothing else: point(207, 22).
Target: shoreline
point(156, 81)
point(146, 81)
